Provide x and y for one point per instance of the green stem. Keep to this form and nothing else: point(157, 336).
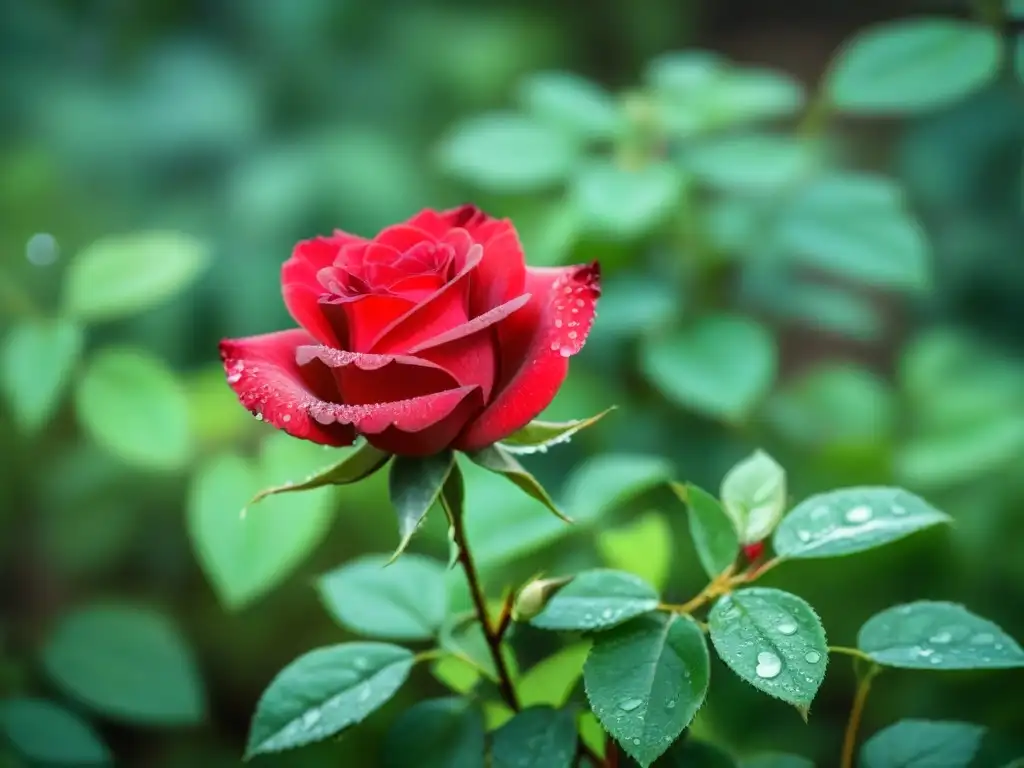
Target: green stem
point(854, 652)
point(856, 713)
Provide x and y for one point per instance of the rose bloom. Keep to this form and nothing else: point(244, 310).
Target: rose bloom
point(432, 335)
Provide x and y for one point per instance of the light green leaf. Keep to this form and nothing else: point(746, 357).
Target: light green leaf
point(537, 737)
point(747, 94)
point(414, 485)
point(325, 691)
point(552, 679)
point(773, 640)
point(776, 760)
point(571, 103)
point(621, 202)
point(130, 403)
point(753, 496)
point(603, 482)
point(128, 663)
point(940, 459)
point(455, 673)
point(721, 366)
point(937, 635)
point(246, 556)
point(538, 436)
point(597, 600)
point(121, 275)
point(856, 226)
point(508, 153)
point(592, 733)
point(751, 163)
point(36, 363)
point(498, 459)
point(44, 733)
point(406, 600)
point(358, 465)
point(438, 733)
point(461, 635)
point(642, 547)
point(646, 680)
point(683, 71)
point(632, 303)
point(913, 65)
point(851, 520)
point(713, 534)
point(923, 744)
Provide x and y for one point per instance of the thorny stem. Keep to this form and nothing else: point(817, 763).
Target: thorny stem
point(856, 712)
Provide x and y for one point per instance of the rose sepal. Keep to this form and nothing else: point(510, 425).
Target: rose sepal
point(538, 435)
point(497, 459)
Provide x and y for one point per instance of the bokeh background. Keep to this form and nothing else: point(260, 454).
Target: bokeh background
point(198, 140)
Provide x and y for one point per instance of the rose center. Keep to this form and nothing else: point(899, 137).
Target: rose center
point(368, 269)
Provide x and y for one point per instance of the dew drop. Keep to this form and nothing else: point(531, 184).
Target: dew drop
point(311, 718)
point(364, 693)
point(936, 659)
point(819, 512)
point(982, 638)
point(554, 346)
point(259, 416)
point(768, 665)
point(558, 323)
point(671, 704)
point(898, 510)
point(787, 628)
point(628, 705)
point(607, 614)
point(41, 249)
point(859, 514)
point(803, 535)
point(924, 653)
point(565, 351)
point(812, 657)
point(286, 418)
point(636, 742)
point(941, 638)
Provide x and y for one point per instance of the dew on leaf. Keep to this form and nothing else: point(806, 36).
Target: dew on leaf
point(628, 705)
point(859, 514)
point(941, 638)
point(768, 665)
point(787, 628)
point(812, 657)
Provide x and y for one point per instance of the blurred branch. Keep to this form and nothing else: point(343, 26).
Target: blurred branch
point(856, 712)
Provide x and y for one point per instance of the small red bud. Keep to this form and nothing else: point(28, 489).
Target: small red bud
point(753, 551)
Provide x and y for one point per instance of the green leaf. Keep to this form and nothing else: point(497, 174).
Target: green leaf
point(754, 496)
point(130, 403)
point(943, 458)
point(552, 679)
point(721, 366)
point(456, 673)
point(36, 362)
point(44, 733)
point(856, 226)
point(603, 482)
point(128, 663)
point(746, 94)
point(646, 680)
point(776, 760)
point(246, 556)
point(462, 636)
point(714, 537)
point(937, 635)
point(923, 744)
point(538, 436)
point(642, 547)
point(121, 275)
point(751, 163)
point(622, 202)
point(773, 640)
point(358, 465)
point(325, 691)
point(508, 153)
point(571, 103)
point(683, 71)
point(438, 733)
point(414, 485)
point(632, 303)
point(537, 737)
point(851, 520)
point(592, 733)
point(406, 600)
point(499, 459)
point(912, 65)
point(596, 600)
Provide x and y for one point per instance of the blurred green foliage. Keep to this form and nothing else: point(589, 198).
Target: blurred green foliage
point(812, 253)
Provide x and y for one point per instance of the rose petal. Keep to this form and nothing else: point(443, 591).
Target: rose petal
point(501, 274)
point(402, 237)
point(299, 285)
point(445, 309)
point(369, 316)
point(437, 223)
point(264, 374)
point(535, 345)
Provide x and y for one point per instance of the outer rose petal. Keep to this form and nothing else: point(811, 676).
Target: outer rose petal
point(538, 340)
point(302, 291)
point(263, 373)
point(502, 271)
point(437, 223)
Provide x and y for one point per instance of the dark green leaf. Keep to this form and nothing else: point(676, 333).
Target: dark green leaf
point(538, 436)
point(119, 276)
point(359, 464)
point(508, 153)
point(597, 600)
point(643, 547)
point(538, 737)
point(937, 635)
point(721, 366)
point(923, 744)
point(36, 362)
point(414, 485)
point(773, 640)
point(714, 537)
point(620, 202)
point(44, 733)
point(913, 65)
point(324, 691)
point(498, 459)
point(646, 680)
point(128, 663)
point(439, 733)
point(130, 403)
point(851, 520)
point(402, 601)
point(571, 103)
point(776, 760)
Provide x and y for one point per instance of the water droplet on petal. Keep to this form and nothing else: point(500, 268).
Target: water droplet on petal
point(768, 665)
point(628, 705)
point(787, 628)
point(859, 515)
point(812, 657)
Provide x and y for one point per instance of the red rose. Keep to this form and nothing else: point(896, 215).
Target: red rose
point(434, 334)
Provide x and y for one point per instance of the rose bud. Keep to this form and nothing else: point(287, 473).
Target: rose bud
point(434, 334)
point(534, 597)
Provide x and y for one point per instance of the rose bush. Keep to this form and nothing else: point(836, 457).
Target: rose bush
point(434, 334)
